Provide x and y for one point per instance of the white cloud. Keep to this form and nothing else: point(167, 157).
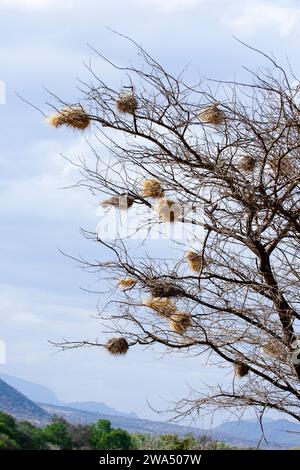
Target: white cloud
point(258, 16)
point(33, 4)
point(167, 6)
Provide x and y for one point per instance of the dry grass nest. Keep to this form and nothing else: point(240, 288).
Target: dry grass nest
point(247, 164)
point(212, 115)
point(274, 348)
point(169, 211)
point(241, 369)
point(126, 283)
point(120, 202)
point(161, 305)
point(117, 346)
point(195, 261)
point(72, 116)
point(126, 103)
point(283, 166)
point(161, 289)
point(180, 322)
point(152, 188)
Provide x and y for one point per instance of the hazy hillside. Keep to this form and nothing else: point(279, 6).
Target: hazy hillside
point(130, 424)
point(33, 391)
point(279, 433)
point(16, 404)
point(42, 394)
point(97, 407)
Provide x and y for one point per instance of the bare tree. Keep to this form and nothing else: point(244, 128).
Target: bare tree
point(232, 149)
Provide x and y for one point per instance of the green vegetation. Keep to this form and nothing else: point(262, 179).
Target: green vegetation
point(22, 435)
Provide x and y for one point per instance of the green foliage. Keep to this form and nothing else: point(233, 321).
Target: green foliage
point(104, 437)
point(101, 436)
point(30, 437)
point(57, 433)
point(6, 443)
point(7, 425)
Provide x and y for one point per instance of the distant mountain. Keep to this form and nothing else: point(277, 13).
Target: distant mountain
point(16, 404)
point(33, 391)
point(40, 393)
point(98, 407)
point(279, 433)
point(130, 424)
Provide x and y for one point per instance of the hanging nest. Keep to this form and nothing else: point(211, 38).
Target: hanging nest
point(169, 211)
point(152, 188)
point(241, 369)
point(212, 115)
point(161, 289)
point(126, 283)
point(180, 322)
point(72, 116)
point(282, 166)
point(127, 103)
point(162, 305)
point(274, 348)
point(117, 346)
point(247, 164)
point(119, 202)
point(195, 261)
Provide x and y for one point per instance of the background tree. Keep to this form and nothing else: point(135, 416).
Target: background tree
point(106, 438)
point(57, 433)
point(232, 149)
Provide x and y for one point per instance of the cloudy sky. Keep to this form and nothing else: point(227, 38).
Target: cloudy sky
point(43, 45)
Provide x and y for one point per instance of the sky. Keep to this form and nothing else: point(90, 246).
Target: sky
point(43, 45)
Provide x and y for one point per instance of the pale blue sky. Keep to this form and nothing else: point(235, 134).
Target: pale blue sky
point(43, 44)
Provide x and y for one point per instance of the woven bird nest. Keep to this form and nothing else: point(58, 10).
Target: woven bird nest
point(282, 166)
point(72, 116)
point(247, 164)
point(120, 202)
point(274, 348)
point(126, 283)
point(127, 103)
point(180, 322)
point(212, 115)
point(152, 188)
point(241, 369)
point(161, 305)
point(117, 346)
point(161, 289)
point(169, 211)
point(195, 261)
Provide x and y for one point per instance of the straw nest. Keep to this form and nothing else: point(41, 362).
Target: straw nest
point(195, 261)
point(161, 289)
point(120, 202)
point(72, 116)
point(127, 103)
point(117, 346)
point(211, 115)
point(282, 166)
point(161, 305)
point(126, 283)
point(274, 348)
point(169, 211)
point(247, 164)
point(241, 369)
point(152, 188)
point(180, 322)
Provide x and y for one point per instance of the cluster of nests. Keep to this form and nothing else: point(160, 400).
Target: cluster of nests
point(76, 117)
point(282, 166)
point(167, 210)
point(160, 301)
point(165, 307)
